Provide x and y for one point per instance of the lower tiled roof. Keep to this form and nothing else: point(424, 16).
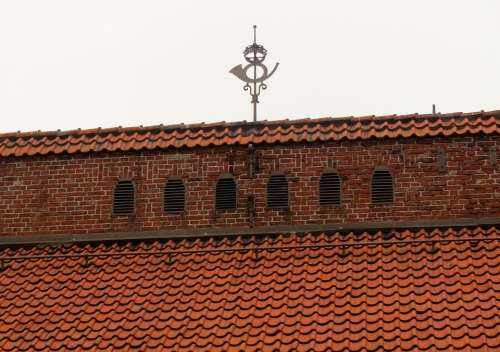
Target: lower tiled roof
point(365, 292)
point(243, 133)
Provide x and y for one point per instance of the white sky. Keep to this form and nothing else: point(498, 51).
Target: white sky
point(66, 64)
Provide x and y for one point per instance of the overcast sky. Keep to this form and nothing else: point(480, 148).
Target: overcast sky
point(66, 64)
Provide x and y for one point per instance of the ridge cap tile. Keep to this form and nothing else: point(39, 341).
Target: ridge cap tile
point(69, 134)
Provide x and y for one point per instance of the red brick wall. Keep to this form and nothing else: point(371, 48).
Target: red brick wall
point(73, 193)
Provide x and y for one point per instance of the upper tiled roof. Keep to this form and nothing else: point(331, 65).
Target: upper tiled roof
point(283, 131)
point(295, 294)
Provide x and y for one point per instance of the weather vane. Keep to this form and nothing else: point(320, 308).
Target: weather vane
point(254, 54)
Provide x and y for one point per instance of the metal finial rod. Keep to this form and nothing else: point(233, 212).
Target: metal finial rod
point(255, 55)
point(254, 97)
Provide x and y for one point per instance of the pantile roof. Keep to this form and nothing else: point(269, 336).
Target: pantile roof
point(425, 290)
point(217, 134)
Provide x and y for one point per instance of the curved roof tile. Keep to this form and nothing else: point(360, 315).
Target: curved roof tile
point(390, 296)
point(238, 133)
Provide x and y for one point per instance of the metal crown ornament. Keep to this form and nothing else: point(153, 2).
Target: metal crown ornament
point(255, 55)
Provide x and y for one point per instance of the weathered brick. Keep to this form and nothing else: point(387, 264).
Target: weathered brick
point(73, 193)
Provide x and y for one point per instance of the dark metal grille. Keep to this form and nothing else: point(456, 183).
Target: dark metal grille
point(124, 198)
point(174, 197)
point(225, 194)
point(277, 192)
point(382, 188)
point(329, 189)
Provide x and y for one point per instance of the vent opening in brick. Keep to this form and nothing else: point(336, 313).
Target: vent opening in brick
point(124, 198)
point(382, 187)
point(225, 193)
point(174, 197)
point(329, 188)
point(277, 191)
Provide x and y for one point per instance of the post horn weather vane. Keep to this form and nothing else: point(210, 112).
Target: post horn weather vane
point(254, 54)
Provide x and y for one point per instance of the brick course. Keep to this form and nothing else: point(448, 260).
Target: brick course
point(433, 177)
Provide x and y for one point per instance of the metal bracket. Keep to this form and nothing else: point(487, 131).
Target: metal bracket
point(256, 252)
point(253, 161)
point(474, 245)
point(251, 209)
point(387, 234)
point(170, 258)
point(231, 164)
point(493, 156)
point(433, 248)
point(343, 252)
point(3, 264)
point(441, 159)
point(86, 263)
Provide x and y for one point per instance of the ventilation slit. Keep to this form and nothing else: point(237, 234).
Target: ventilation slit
point(329, 189)
point(174, 197)
point(225, 194)
point(277, 192)
point(382, 188)
point(124, 198)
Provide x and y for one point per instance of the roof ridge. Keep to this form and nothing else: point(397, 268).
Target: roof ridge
point(243, 132)
point(196, 125)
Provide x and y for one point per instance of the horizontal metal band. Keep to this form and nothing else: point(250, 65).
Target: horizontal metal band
point(29, 240)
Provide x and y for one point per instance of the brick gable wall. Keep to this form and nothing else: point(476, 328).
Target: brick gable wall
point(433, 178)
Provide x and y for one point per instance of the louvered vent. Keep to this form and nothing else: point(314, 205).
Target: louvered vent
point(225, 194)
point(174, 197)
point(277, 192)
point(329, 189)
point(382, 191)
point(124, 198)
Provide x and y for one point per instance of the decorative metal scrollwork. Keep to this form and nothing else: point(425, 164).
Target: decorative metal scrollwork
point(254, 54)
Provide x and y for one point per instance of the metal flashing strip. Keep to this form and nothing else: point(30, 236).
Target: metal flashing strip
point(29, 240)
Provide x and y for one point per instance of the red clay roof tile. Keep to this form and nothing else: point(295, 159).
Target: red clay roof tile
point(379, 297)
point(242, 133)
